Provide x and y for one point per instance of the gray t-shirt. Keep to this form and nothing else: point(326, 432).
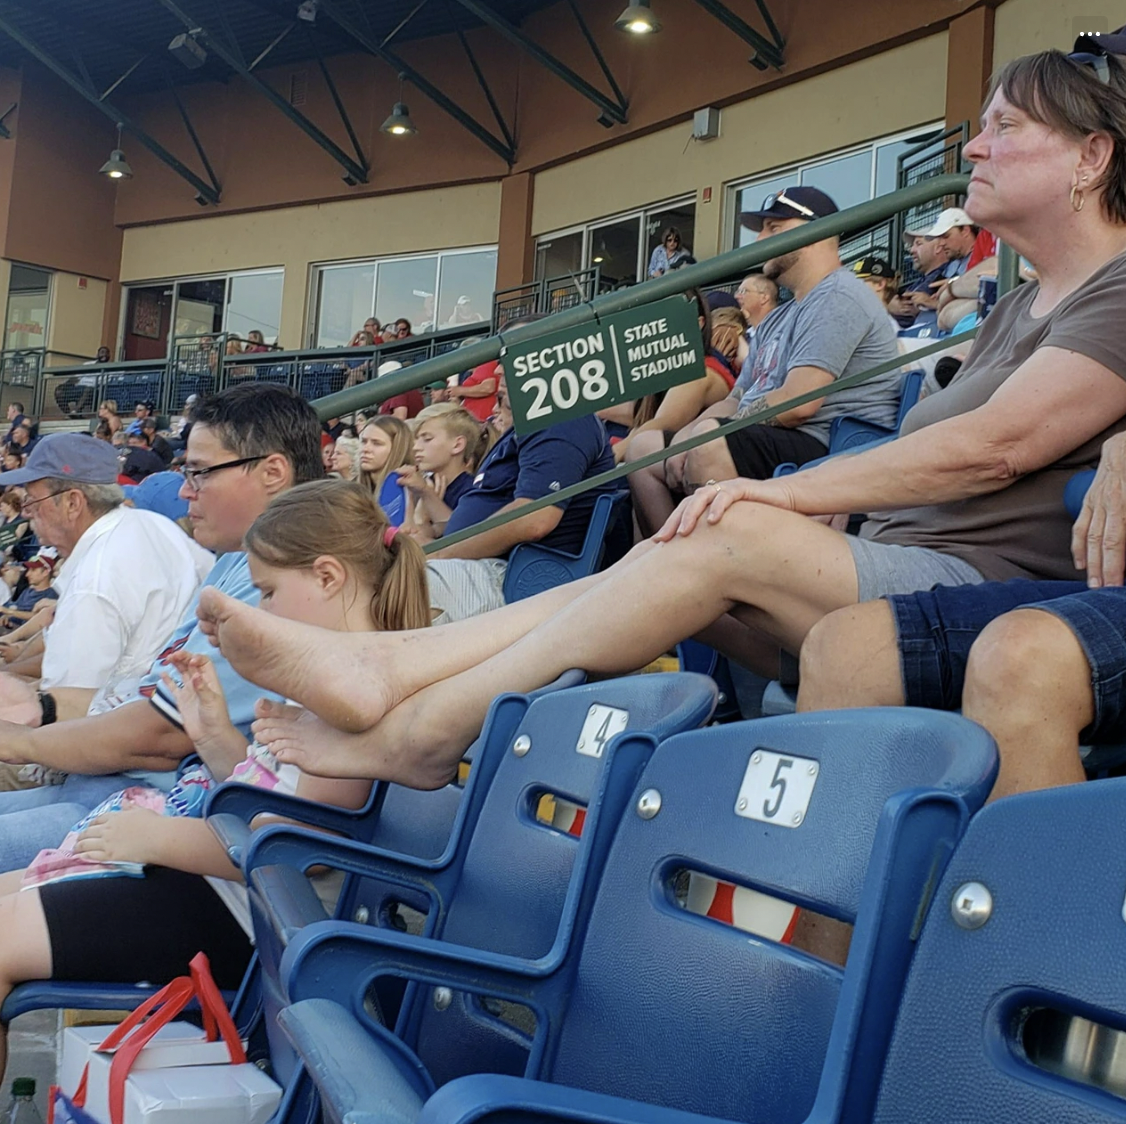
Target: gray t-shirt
point(839, 326)
point(1022, 531)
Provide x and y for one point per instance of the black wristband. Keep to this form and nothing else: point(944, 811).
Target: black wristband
point(49, 711)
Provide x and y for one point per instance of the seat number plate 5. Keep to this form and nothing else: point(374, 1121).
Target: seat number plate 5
point(602, 723)
point(777, 788)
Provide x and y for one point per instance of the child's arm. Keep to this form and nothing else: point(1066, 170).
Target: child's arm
point(141, 836)
point(203, 711)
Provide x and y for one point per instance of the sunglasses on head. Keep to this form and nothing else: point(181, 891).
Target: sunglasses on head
point(771, 201)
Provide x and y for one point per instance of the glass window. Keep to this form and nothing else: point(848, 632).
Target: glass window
point(465, 289)
point(406, 289)
point(846, 180)
point(29, 298)
point(345, 301)
point(751, 199)
point(559, 256)
point(680, 218)
point(614, 249)
point(200, 306)
point(254, 304)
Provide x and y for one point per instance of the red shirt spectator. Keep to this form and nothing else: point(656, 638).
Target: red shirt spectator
point(985, 246)
point(480, 407)
point(411, 401)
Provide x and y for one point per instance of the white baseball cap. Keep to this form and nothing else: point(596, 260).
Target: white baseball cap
point(950, 218)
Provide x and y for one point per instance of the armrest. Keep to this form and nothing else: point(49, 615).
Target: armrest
point(511, 1099)
point(337, 959)
point(233, 832)
point(287, 899)
point(246, 802)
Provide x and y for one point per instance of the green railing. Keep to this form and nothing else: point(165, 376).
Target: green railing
point(720, 268)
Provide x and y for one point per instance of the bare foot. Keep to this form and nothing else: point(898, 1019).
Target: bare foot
point(298, 737)
point(342, 677)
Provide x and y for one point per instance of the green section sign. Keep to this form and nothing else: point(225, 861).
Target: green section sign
point(627, 355)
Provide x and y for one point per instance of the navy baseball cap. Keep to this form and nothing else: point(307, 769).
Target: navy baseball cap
point(790, 203)
point(67, 456)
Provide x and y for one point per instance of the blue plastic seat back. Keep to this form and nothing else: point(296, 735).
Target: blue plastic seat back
point(510, 894)
point(974, 1041)
point(710, 1019)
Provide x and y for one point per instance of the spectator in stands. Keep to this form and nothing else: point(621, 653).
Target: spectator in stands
point(346, 458)
point(107, 412)
point(402, 328)
point(157, 443)
point(324, 555)
point(22, 439)
point(15, 417)
point(130, 575)
point(248, 444)
point(13, 523)
point(103, 433)
point(141, 411)
point(972, 492)
point(255, 342)
point(13, 457)
point(478, 393)
point(373, 327)
point(917, 303)
point(834, 327)
point(100, 356)
point(447, 448)
point(658, 417)
point(234, 344)
point(140, 461)
point(757, 297)
point(879, 276)
point(182, 425)
point(359, 370)
point(463, 313)
point(668, 253)
point(39, 570)
point(385, 445)
point(401, 406)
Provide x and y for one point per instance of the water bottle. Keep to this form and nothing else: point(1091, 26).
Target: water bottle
point(21, 1108)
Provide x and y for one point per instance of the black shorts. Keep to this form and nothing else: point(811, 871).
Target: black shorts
point(757, 450)
point(141, 930)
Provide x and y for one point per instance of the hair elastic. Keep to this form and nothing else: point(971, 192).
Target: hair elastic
point(389, 536)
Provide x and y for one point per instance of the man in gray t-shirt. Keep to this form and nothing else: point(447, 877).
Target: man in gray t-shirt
point(834, 327)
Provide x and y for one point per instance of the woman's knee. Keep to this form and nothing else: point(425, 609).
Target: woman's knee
point(851, 658)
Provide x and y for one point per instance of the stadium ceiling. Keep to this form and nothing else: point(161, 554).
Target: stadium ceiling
point(101, 48)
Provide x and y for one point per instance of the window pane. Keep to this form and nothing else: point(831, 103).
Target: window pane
point(28, 300)
point(254, 304)
point(405, 290)
point(847, 180)
point(681, 218)
point(751, 199)
point(465, 289)
point(559, 256)
point(200, 306)
point(613, 249)
point(344, 303)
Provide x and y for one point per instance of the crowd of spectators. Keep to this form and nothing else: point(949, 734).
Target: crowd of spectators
point(959, 590)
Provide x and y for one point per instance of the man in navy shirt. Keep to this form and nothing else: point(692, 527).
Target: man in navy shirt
point(468, 577)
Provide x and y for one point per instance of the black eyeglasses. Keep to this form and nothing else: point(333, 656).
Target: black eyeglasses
point(771, 201)
point(25, 503)
point(194, 476)
point(1095, 61)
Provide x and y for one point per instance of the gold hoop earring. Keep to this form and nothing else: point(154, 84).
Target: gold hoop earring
point(1076, 194)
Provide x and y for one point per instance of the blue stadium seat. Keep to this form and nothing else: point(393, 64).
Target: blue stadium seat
point(851, 814)
point(532, 568)
point(850, 434)
point(500, 862)
point(1016, 999)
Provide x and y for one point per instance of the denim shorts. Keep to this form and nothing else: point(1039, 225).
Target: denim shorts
point(936, 630)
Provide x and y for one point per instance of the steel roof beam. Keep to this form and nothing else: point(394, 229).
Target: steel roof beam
point(419, 81)
point(354, 172)
point(765, 53)
point(612, 110)
point(206, 192)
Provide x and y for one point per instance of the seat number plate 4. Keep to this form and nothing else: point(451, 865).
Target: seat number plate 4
point(602, 723)
point(777, 788)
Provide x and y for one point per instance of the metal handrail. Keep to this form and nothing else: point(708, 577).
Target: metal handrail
point(703, 273)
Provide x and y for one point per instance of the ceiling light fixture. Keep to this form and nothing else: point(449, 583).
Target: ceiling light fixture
point(307, 11)
point(638, 19)
point(117, 167)
point(187, 50)
point(399, 124)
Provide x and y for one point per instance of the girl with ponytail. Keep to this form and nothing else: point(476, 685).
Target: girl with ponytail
point(323, 553)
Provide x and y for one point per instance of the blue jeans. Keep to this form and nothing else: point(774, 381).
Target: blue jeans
point(936, 629)
point(37, 818)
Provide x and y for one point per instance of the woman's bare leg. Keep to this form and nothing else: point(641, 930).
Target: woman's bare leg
point(757, 556)
point(653, 503)
point(25, 949)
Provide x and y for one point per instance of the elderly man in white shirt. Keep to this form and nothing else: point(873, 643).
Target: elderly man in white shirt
point(128, 579)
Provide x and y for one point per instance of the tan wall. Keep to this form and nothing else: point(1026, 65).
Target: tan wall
point(297, 236)
point(1024, 26)
point(77, 312)
point(897, 90)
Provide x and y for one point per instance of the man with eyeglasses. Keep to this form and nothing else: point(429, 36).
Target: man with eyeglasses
point(129, 576)
point(757, 298)
point(247, 445)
